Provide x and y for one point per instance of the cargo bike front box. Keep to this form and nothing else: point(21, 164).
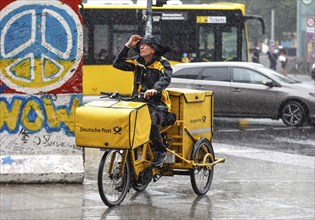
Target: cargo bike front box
point(112, 124)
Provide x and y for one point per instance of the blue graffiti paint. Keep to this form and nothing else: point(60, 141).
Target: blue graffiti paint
point(7, 160)
point(32, 115)
point(3, 88)
point(22, 27)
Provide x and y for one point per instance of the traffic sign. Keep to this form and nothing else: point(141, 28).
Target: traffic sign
point(310, 22)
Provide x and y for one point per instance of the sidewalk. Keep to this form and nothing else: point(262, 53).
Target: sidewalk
point(302, 77)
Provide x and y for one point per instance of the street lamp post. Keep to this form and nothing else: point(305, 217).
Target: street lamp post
point(148, 27)
point(272, 37)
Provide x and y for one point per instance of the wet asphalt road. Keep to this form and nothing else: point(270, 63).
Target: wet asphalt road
point(265, 134)
point(268, 174)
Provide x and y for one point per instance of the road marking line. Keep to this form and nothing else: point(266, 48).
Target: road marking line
point(265, 155)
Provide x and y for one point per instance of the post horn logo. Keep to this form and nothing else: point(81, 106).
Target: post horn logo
point(117, 130)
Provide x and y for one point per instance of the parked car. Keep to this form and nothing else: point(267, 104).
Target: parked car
point(249, 90)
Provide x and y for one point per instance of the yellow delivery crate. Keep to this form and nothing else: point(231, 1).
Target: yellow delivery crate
point(195, 109)
point(112, 124)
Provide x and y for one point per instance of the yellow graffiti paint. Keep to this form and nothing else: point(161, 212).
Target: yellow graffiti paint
point(50, 69)
point(21, 69)
point(37, 113)
point(29, 76)
point(10, 116)
point(55, 117)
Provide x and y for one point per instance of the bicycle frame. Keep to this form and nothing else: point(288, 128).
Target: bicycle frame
point(141, 156)
point(144, 153)
point(185, 163)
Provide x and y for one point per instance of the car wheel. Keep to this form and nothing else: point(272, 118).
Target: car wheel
point(293, 114)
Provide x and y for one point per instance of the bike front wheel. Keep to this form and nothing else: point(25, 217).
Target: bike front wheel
point(113, 177)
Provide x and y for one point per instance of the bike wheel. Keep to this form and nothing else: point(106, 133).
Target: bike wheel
point(113, 182)
point(201, 177)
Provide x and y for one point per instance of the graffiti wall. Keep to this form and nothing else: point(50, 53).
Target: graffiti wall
point(40, 88)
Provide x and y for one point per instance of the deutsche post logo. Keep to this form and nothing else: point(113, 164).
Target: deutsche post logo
point(40, 45)
point(117, 129)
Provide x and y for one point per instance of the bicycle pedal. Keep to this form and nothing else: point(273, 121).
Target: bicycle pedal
point(156, 177)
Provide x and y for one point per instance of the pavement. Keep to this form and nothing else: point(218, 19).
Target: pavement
point(251, 184)
point(306, 78)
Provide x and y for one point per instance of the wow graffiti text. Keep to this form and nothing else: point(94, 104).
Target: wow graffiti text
point(34, 114)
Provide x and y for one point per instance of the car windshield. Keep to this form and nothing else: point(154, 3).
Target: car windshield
point(278, 76)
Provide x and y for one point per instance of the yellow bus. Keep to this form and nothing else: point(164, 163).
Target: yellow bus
point(205, 32)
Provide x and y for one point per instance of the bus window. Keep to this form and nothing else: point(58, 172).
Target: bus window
point(178, 30)
point(101, 53)
point(206, 44)
point(121, 34)
point(85, 43)
point(229, 44)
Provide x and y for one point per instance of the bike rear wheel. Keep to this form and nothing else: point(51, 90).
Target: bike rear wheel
point(201, 177)
point(113, 177)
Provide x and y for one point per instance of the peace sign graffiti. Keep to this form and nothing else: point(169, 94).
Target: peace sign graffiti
point(40, 45)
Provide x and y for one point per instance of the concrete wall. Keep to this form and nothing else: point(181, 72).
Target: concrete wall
point(40, 88)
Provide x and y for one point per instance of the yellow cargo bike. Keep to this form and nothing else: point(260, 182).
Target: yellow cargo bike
point(121, 128)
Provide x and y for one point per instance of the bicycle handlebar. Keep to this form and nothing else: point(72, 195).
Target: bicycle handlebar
point(122, 97)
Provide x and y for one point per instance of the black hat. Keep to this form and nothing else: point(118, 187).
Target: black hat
point(153, 41)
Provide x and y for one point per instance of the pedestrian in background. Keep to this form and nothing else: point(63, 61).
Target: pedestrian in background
point(273, 57)
point(255, 57)
point(283, 58)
